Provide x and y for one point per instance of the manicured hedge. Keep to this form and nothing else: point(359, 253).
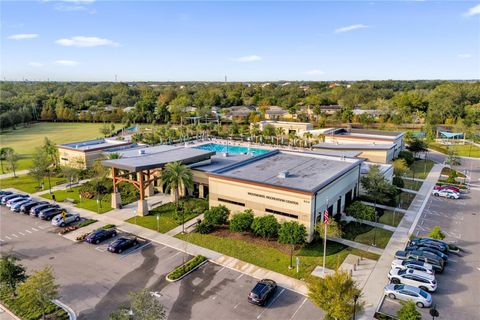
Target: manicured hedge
point(85, 223)
point(180, 271)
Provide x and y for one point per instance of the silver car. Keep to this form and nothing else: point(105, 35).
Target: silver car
point(63, 219)
point(404, 292)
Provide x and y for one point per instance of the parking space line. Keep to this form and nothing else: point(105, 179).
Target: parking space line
point(34, 229)
point(8, 238)
point(221, 270)
point(21, 233)
point(135, 250)
point(235, 307)
point(1, 240)
point(301, 305)
point(271, 303)
point(13, 234)
point(241, 275)
point(28, 231)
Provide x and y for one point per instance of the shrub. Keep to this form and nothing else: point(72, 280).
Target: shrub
point(266, 226)
point(452, 176)
point(85, 223)
point(242, 221)
point(128, 192)
point(204, 227)
point(398, 182)
point(179, 271)
point(407, 156)
point(82, 236)
point(68, 229)
point(436, 233)
point(108, 226)
point(217, 215)
point(360, 210)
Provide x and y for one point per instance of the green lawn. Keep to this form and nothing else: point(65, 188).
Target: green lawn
point(421, 168)
point(274, 259)
point(88, 204)
point(364, 233)
point(27, 183)
point(466, 150)
point(167, 217)
point(412, 185)
point(405, 199)
point(24, 140)
point(388, 218)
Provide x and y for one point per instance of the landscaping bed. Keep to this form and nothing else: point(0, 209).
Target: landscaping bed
point(389, 218)
point(269, 254)
point(412, 185)
point(364, 233)
point(53, 311)
point(421, 168)
point(168, 218)
point(84, 203)
point(184, 269)
point(77, 226)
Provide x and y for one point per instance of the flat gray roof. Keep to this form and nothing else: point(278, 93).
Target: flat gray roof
point(219, 162)
point(135, 151)
point(355, 146)
point(306, 172)
point(159, 159)
point(94, 144)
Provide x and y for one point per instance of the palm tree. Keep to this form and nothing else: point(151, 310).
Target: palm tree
point(279, 132)
point(114, 155)
point(292, 136)
point(308, 136)
point(175, 176)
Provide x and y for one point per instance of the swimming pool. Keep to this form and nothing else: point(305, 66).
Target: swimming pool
point(231, 149)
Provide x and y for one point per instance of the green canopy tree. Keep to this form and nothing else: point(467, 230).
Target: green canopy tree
point(37, 292)
point(11, 273)
point(335, 294)
point(143, 306)
point(51, 150)
point(3, 155)
point(408, 311)
point(12, 158)
point(40, 165)
point(293, 233)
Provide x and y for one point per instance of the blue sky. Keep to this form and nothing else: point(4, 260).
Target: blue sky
point(88, 40)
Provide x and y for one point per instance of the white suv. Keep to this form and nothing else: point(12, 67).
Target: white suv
point(445, 193)
point(414, 278)
point(412, 264)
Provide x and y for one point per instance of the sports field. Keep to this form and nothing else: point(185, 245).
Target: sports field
point(24, 140)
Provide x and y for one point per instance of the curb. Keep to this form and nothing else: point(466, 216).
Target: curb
point(186, 274)
point(71, 313)
point(10, 313)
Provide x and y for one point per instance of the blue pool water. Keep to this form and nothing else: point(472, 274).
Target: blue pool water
point(231, 149)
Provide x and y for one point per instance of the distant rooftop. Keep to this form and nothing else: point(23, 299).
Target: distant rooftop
point(303, 171)
point(140, 150)
point(97, 144)
point(362, 133)
point(354, 146)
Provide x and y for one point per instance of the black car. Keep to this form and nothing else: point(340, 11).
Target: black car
point(49, 213)
point(13, 196)
point(262, 292)
point(25, 208)
point(35, 210)
point(99, 235)
point(428, 249)
point(430, 244)
point(437, 263)
point(121, 244)
point(4, 194)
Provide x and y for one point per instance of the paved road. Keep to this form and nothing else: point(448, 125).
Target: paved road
point(94, 282)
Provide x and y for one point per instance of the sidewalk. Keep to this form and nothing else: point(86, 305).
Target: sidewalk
point(370, 223)
point(10, 174)
point(357, 245)
point(373, 290)
point(381, 206)
point(62, 186)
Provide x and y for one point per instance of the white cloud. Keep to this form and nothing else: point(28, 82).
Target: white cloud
point(314, 72)
point(351, 28)
point(249, 58)
point(35, 64)
point(86, 42)
point(23, 36)
point(464, 55)
point(69, 63)
point(473, 11)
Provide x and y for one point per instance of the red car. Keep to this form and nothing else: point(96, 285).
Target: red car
point(448, 187)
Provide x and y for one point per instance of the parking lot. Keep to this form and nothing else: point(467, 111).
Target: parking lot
point(95, 282)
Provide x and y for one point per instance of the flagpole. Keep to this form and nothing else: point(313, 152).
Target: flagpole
point(325, 238)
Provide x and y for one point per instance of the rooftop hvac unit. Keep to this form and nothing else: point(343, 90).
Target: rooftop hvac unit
point(283, 174)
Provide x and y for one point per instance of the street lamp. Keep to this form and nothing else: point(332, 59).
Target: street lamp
point(355, 298)
point(158, 222)
point(434, 312)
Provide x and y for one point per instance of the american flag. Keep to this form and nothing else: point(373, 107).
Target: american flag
point(325, 217)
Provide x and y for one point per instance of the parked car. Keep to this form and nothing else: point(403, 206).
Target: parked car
point(121, 244)
point(99, 235)
point(49, 213)
point(437, 263)
point(438, 253)
point(412, 264)
point(25, 208)
point(405, 292)
point(414, 278)
point(15, 206)
point(4, 193)
point(35, 211)
point(262, 292)
point(446, 194)
point(449, 187)
point(425, 242)
point(63, 219)
point(452, 248)
point(13, 198)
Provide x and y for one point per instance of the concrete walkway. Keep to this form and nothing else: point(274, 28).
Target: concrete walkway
point(188, 226)
point(381, 206)
point(357, 245)
point(58, 187)
point(373, 290)
point(370, 223)
point(10, 174)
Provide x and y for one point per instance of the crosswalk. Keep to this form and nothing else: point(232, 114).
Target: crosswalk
point(23, 233)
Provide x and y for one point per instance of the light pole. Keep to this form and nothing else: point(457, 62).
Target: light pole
point(135, 215)
point(158, 222)
point(434, 312)
point(355, 298)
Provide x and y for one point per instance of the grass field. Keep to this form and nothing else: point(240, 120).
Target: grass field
point(310, 255)
point(364, 233)
point(421, 168)
point(28, 184)
point(466, 150)
point(390, 219)
point(166, 213)
point(24, 140)
point(412, 185)
point(88, 204)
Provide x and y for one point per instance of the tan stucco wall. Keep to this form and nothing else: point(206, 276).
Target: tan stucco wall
point(380, 156)
point(78, 159)
point(299, 127)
